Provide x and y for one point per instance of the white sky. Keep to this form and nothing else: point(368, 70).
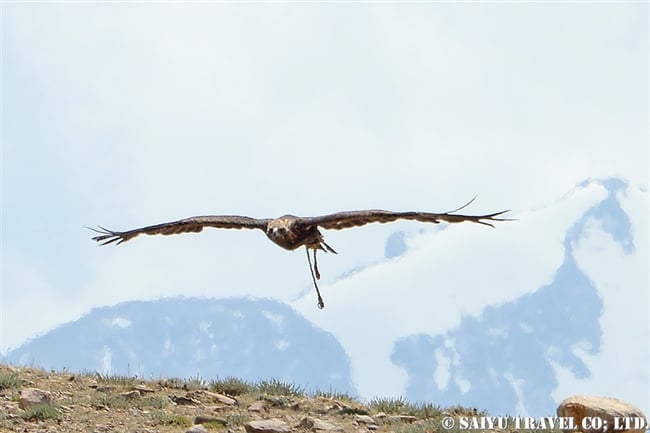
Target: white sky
point(129, 114)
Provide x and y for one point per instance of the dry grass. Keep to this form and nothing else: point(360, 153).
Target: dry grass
point(90, 402)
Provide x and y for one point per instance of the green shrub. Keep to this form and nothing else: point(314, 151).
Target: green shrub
point(276, 387)
point(160, 417)
point(238, 419)
point(231, 386)
point(41, 412)
point(353, 411)
point(399, 406)
point(10, 380)
point(117, 379)
point(187, 384)
point(335, 395)
point(395, 406)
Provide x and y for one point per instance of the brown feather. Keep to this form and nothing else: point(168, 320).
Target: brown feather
point(187, 225)
point(344, 220)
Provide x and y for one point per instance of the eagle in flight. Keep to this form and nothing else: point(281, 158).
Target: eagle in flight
point(291, 232)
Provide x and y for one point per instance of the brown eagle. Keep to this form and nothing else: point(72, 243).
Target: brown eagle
point(291, 232)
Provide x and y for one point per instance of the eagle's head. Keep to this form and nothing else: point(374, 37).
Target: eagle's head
point(283, 231)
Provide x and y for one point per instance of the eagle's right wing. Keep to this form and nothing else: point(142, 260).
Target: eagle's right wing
point(344, 220)
point(187, 225)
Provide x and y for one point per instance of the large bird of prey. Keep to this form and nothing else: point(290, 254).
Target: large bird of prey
point(291, 232)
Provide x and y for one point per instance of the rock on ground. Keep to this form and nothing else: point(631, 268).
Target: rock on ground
point(130, 394)
point(607, 409)
point(267, 426)
point(188, 401)
point(316, 424)
point(257, 406)
point(33, 396)
point(214, 396)
point(401, 418)
point(204, 419)
point(364, 419)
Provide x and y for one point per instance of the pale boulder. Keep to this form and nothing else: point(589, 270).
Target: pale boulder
point(32, 397)
point(267, 426)
point(315, 424)
point(616, 415)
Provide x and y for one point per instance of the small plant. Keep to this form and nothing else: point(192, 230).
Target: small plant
point(41, 412)
point(155, 402)
point(429, 410)
point(353, 411)
point(111, 401)
point(195, 382)
point(231, 386)
point(172, 383)
point(335, 395)
point(238, 419)
point(213, 425)
point(160, 417)
point(186, 384)
point(399, 406)
point(276, 387)
point(117, 379)
point(10, 380)
point(396, 406)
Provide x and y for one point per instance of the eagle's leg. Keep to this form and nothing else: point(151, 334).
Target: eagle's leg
point(316, 267)
point(321, 304)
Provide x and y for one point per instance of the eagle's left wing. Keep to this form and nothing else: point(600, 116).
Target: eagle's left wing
point(187, 225)
point(344, 220)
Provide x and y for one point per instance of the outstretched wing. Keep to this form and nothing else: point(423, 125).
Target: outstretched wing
point(344, 220)
point(187, 225)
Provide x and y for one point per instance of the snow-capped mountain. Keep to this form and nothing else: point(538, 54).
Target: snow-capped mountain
point(511, 320)
point(190, 337)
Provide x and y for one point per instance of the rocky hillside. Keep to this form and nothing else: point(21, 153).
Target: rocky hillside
point(35, 400)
